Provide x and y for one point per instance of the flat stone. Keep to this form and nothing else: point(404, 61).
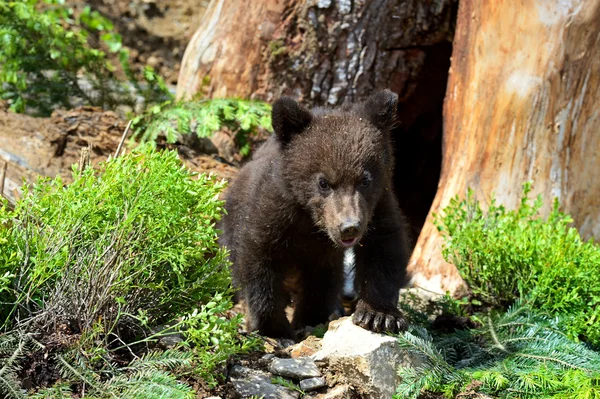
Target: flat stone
point(298, 369)
point(310, 384)
point(364, 360)
point(248, 382)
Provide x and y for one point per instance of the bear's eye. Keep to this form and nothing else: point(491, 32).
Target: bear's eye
point(323, 185)
point(366, 179)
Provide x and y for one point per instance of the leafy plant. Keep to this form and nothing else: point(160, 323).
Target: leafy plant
point(203, 118)
point(46, 61)
point(214, 337)
point(503, 255)
point(138, 236)
point(520, 353)
point(111, 256)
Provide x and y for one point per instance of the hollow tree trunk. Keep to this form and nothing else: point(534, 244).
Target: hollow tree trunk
point(331, 51)
point(324, 51)
point(522, 104)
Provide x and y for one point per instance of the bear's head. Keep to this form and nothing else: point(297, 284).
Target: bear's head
point(337, 163)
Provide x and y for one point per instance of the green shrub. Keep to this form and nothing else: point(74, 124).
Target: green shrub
point(517, 354)
point(139, 234)
point(46, 62)
point(203, 118)
point(112, 255)
point(503, 255)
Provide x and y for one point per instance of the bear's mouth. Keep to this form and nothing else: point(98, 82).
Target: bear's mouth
point(348, 242)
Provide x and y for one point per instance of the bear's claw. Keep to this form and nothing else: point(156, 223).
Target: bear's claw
point(389, 320)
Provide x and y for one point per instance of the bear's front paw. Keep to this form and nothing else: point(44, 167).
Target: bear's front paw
point(379, 320)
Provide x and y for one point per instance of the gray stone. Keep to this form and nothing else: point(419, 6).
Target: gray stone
point(266, 360)
point(364, 360)
point(310, 384)
point(248, 382)
point(170, 341)
point(298, 369)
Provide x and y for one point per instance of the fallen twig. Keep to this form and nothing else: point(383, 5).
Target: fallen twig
point(3, 177)
point(123, 139)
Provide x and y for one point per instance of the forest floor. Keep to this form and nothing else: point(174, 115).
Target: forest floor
point(49, 146)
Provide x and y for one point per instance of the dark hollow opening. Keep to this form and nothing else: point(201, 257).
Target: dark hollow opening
point(418, 138)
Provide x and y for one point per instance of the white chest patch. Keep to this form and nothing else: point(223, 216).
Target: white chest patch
point(349, 273)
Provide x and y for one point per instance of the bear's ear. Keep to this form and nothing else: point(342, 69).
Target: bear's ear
point(380, 109)
point(289, 118)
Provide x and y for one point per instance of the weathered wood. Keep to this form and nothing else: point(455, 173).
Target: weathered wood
point(521, 105)
point(325, 51)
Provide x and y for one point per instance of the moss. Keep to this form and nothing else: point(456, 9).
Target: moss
point(277, 48)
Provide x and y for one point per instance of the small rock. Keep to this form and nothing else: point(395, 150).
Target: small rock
point(170, 341)
point(310, 384)
point(152, 61)
point(265, 361)
point(365, 360)
point(275, 345)
point(248, 382)
point(306, 348)
point(338, 392)
point(295, 368)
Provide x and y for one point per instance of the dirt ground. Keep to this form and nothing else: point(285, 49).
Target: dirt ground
point(50, 146)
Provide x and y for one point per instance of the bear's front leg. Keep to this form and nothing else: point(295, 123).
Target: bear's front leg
point(321, 285)
point(266, 302)
point(382, 258)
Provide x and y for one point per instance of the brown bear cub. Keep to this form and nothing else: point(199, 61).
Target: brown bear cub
point(320, 185)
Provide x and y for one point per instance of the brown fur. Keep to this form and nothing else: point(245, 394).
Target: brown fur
point(322, 178)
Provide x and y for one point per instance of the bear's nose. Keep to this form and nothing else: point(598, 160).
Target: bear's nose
point(350, 228)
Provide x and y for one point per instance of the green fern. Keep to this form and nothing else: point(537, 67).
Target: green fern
point(159, 360)
point(203, 118)
point(287, 384)
point(148, 377)
point(517, 354)
point(148, 384)
point(12, 350)
point(60, 390)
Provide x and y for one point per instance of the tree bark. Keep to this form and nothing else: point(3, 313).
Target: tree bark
point(332, 51)
point(521, 105)
point(318, 51)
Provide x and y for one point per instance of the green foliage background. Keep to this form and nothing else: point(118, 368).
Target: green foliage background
point(46, 61)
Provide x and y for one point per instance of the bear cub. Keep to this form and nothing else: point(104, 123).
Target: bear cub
point(320, 185)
